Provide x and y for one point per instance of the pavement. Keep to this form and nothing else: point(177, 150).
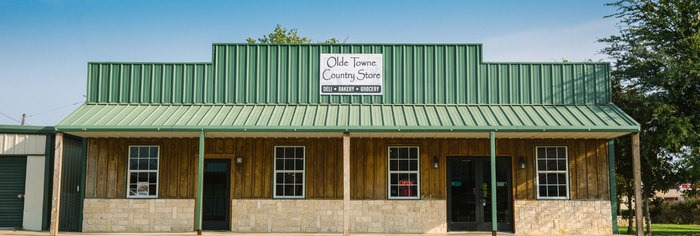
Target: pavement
point(205, 233)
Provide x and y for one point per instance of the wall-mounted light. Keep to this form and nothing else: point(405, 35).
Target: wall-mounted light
point(436, 161)
point(239, 162)
point(522, 162)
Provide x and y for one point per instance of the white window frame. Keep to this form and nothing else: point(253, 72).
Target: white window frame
point(275, 171)
point(389, 172)
point(566, 173)
point(129, 171)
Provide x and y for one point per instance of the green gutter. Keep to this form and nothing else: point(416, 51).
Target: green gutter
point(613, 191)
point(341, 129)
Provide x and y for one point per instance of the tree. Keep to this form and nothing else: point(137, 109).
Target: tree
point(656, 79)
point(285, 36)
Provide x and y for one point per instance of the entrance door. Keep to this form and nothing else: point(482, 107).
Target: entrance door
point(469, 194)
point(216, 201)
point(12, 176)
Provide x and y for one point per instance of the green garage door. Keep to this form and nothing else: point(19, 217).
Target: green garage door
point(12, 176)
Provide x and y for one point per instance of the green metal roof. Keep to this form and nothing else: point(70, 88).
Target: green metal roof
point(289, 74)
point(351, 118)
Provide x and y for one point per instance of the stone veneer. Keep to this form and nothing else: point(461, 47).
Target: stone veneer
point(551, 217)
point(138, 215)
point(385, 216)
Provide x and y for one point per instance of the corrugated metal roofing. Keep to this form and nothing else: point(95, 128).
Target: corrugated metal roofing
point(288, 74)
point(352, 118)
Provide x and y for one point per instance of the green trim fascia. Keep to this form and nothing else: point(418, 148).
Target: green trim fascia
point(447, 129)
point(26, 129)
point(613, 190)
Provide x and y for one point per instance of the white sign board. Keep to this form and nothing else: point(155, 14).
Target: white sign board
point(351, 74)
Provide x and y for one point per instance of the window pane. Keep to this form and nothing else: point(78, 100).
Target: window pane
point(279, 177)
point(394, 179)
point(133, 164)
point(562, 191)
point(279, 190)
point(288, 164)
point(299, 178)
point(143, 164)
point(543, 191)
point(562, 178)
point(553, 191)
point(299, 164)
point(298, 190)
point(153, 164)
point(153, 178)
point(143, 152)
point(289, 152)
point(551, 165)
point(133, 178)
point(403, 164)
point(143, 177)
point(393, 153)
point(541, 152)
point(154, 152)
point(403, 153)
point(542, 178)
point(393, 165)
point(279, 164)
point(552, 179)
point(279, 153)
point(561, 151)
point(394, 191)
point(289, 190)
point(299, 153)
point(413, 153)
point(133, 152)
point(541, 165)
point(562, 164)
point(152, 190)
point(551, 152)
point(413, 165)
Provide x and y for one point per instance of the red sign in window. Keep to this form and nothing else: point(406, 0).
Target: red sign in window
point(406, 191)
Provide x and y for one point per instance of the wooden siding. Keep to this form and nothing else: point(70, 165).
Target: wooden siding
point(107, 160)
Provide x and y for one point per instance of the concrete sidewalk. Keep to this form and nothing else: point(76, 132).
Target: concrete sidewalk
point(33, 233)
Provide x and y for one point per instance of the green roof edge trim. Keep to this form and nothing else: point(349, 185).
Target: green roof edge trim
point(26, 129)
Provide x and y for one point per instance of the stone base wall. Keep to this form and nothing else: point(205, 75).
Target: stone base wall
point(551, 217)
point(367, 216)
point(138, 215)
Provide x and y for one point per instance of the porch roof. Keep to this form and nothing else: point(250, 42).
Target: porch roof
point(607, 120)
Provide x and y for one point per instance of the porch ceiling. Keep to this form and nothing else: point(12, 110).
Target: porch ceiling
point(448, 121)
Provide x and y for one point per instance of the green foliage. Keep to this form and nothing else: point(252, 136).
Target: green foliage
point(672, 229)
point(283, 35)
point(656, 79)
point(676, 212)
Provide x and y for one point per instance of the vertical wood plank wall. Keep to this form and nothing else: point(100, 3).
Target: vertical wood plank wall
point(107, 162)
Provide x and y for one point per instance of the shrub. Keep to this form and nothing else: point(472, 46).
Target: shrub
point(675, 212)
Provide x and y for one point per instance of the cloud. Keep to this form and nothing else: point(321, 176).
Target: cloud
point(575, 43)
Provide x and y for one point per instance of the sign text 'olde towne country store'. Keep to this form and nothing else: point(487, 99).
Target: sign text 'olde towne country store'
point(351, 74)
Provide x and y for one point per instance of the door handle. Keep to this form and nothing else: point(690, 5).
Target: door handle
point(20, 196)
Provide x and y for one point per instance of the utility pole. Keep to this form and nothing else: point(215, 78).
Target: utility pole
point(24, 118)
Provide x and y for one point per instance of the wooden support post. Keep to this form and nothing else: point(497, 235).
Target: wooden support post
point(56, 196)
point(494, 209)
point(346, 184)
point(637, 175)
point(200, 182)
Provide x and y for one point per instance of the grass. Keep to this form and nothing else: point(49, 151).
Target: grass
point(669, 229)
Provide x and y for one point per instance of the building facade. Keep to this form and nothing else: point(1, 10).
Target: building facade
point(391, 138)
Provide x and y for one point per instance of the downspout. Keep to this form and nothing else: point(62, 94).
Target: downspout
point(200, 182)
point(613, 191)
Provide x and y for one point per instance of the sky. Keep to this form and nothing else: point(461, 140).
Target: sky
point(45, 45)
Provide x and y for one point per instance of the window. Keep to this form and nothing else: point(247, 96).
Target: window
point(403, 173)
point(552, 172)
point(289, 172)
point(143, 172)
